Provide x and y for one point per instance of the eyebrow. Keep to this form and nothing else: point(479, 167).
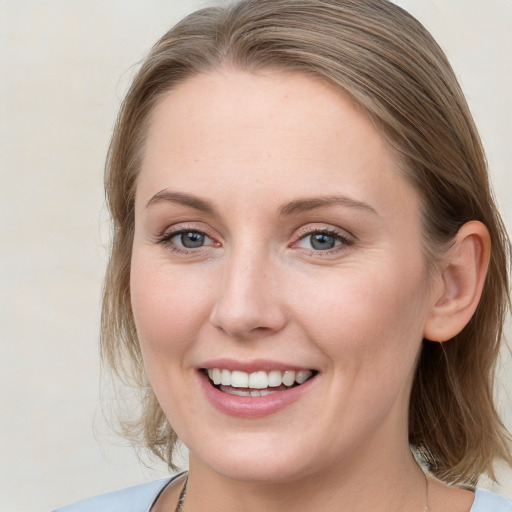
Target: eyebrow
point(184, 199)
point(307, 204)
point(291, 208)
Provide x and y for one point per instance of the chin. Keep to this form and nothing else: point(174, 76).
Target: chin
point(257, 461)
point(260, 472)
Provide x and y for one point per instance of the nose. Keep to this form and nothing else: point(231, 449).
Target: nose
point(249, 302)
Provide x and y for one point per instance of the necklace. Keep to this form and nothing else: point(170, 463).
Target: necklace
point(181, 499)
point(426, 507)
point(183, 494)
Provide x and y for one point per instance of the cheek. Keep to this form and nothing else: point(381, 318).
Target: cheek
point(371, 316)
point(169, 306)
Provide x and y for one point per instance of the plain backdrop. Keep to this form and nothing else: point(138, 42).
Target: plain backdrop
point(64, 68)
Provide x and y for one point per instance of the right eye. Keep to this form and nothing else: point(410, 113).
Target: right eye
point(186, 240)
point(190, 239)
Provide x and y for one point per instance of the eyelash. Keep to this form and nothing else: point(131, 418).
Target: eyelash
point(338, 237)
point(165, 239)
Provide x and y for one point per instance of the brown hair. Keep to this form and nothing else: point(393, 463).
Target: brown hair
point(392, 68)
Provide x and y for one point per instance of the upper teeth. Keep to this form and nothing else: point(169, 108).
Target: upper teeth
point(258, 380)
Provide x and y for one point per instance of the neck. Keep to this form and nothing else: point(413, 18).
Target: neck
point(389, 482)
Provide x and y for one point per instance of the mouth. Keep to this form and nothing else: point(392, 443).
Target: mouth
point(256, 384)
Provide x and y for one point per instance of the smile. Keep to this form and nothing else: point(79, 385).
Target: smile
point(259, 383)
point(255, 389)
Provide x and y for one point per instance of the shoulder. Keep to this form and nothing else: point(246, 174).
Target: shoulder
point(487, 501)
point(132, 499)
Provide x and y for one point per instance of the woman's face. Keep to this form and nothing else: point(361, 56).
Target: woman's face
point(275, 235)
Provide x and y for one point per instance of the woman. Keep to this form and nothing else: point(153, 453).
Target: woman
point(308, 275)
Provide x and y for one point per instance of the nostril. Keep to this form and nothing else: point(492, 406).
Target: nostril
point(248, 318)
point(247, 300)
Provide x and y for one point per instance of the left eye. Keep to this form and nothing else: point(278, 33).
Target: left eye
point(321, 241)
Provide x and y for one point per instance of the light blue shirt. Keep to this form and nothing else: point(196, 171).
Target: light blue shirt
point(141, 498)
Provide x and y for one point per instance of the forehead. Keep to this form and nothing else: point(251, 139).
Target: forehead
point(267, 105)
point(267, 131)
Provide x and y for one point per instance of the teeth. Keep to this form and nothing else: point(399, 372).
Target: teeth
point(238, 379)
point(275, 378)
point(246, 392)
point(225, 378)
point(258, 380)
point(303, 376)
point(288, 377)
point(215, 375)
point(235, 391)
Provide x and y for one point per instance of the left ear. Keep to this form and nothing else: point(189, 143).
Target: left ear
point(463, 271)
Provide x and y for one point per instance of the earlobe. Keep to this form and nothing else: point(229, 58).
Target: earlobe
point(462, 279)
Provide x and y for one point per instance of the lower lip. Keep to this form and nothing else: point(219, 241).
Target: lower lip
point(253, 406)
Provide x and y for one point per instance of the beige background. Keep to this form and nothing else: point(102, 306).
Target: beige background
point(64, 66)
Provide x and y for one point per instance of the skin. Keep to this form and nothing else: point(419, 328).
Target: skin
point(357, 313)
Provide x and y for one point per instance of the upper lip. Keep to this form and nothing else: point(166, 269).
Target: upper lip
point(254, 365)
